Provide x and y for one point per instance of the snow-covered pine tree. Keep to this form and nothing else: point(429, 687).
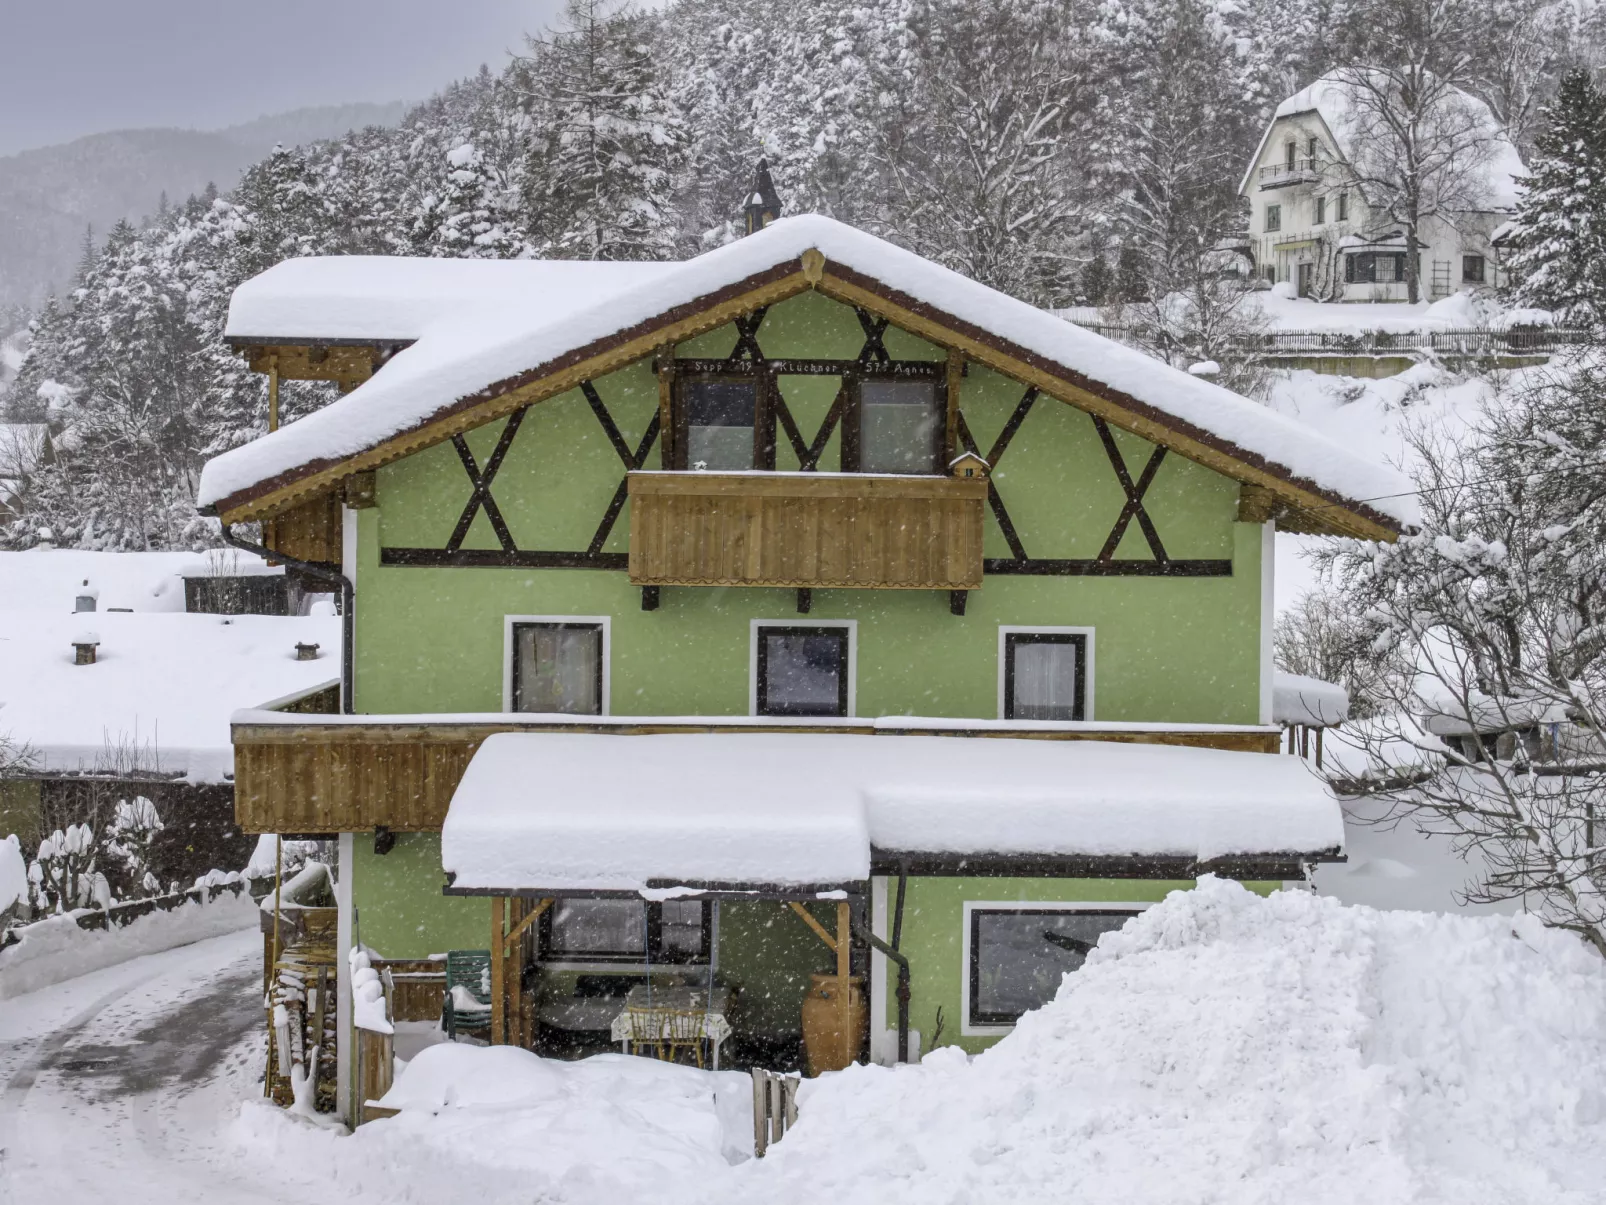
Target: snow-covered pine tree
point(609, 139)
point(1559, 232)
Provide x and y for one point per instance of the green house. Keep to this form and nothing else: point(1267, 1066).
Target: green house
point(799, 629)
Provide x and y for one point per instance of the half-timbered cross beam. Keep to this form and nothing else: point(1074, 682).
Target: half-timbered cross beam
point(480, 498)
point(1133, 508)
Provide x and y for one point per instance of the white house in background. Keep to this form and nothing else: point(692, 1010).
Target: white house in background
point(24, 449)
point(1310, 224)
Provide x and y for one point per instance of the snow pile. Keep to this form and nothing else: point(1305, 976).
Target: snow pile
point(499, 1124)
point(50, 579)
point(13, 874)
point(1228, 1048)
point(1296, 699)
point(56, 949)
point(368, 995)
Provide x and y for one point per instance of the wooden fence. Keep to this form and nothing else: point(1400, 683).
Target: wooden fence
point(774, 1108)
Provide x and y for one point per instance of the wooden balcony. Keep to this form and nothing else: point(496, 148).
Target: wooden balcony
point(329, 774)
point(810, 530)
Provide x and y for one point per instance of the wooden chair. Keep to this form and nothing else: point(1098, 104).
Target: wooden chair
point(468, 992)
point(669, 1031)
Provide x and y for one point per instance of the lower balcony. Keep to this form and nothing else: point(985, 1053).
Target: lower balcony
point(309, 774)
point(808, 530)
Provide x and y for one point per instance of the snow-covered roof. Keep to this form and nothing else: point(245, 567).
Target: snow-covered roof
point(806, 809)
point(1296, 699)
point(464, 355)
point(162, 687)
point(397, 299)
point(1333, 99)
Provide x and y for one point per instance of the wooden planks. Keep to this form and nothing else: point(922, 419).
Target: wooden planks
point(340, 777)
point(858, 531)
point(308, 532)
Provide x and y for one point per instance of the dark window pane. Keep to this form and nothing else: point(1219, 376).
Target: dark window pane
point(719, 424)
point(803, 672)
point(681, 930)
point(1472, 269)
point(1019, 958)
point(1045, 677)
point(558, 669)
point(899, 425)
point(599, 928)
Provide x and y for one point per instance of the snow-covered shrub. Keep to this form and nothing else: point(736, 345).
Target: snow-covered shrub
point(14, 907)
point(64, 874)
point(129, 838)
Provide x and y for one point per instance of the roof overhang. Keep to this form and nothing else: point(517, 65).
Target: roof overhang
point(1308, 506)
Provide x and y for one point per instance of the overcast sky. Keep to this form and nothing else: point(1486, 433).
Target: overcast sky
point(75, 67)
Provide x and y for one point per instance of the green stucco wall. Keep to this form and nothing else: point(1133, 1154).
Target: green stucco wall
point(401, 912)
point(1165, 649)
point(933, 939)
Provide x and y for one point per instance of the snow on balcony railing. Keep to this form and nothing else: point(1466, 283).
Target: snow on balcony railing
point(1277, 174)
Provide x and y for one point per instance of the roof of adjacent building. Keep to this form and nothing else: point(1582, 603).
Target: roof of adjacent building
point(481, 336)
point(1333, 99)
point(533, 813)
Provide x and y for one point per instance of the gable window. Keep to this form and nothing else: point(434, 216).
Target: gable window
point(1342, 208)
point(719, 423)
point(1017, 955)
point(900, 426)
point(626, 931)
point(1472, 269)
point(1321, 210)
point(1044, 673)
point(802, 670)
point(557, 666)
point(1290, 153)
point(1274, 217)
point(1310, 151)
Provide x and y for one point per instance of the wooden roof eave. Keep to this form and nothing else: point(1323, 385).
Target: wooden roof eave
point(1300, 505)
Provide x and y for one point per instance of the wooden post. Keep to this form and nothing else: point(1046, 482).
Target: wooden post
point(498, 972)
point(844, 955)
point(950, 439)
point(666, 406)
point(273, 392)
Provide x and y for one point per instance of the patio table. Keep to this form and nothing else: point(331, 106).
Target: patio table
point(665, 1001)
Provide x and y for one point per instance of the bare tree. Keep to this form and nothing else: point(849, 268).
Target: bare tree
point(1420, 146)
point(1498, 607)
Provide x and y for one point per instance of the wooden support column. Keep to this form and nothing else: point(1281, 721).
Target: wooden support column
point(955, 374)
point(844, 989)
point(666, 406)
point(498, 971)
point(273, 392)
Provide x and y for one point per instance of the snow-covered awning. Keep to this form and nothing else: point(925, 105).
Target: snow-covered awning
point(558, 812)
point(1296, 699)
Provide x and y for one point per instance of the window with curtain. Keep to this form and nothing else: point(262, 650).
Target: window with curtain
point(1274, 217)
point(557, 667)
point(627, 930)
point(1019, 956)
point(1045, 676)
point(900, 426)
point(720, 416)
point(802, 671)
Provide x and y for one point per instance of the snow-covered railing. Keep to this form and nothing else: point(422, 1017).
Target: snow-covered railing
point(371, 991)
point(1465, 341)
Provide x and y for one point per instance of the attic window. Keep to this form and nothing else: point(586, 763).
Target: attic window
point(720, 416)
point(1290, 153)
point(1310, 150)
point(1341, 209)
point(900, 426)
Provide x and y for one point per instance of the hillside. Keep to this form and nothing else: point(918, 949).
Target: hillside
point(50, 195)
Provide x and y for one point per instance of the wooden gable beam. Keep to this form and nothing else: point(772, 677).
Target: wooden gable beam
point(1299, 508)
point(476, 412)
point(1314, 512)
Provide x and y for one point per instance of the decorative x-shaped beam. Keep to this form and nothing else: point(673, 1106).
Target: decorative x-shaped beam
point(481, 498)
point(1133, 508)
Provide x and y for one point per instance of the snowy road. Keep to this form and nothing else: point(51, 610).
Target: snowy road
point(119, 1085)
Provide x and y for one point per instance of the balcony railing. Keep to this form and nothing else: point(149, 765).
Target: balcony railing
point(1277, 175)
point(353, 773)
point(807, 530)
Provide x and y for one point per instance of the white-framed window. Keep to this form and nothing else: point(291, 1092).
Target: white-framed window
point(1045, 673)
point(1016, 953)
point(801, 667)
point(556, 663)
point(1274, 217)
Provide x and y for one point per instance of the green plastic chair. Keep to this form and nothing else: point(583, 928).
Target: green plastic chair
point(468, 991)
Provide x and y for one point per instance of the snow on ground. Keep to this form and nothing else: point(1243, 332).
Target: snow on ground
point(164, 682)
point(1225, 1048)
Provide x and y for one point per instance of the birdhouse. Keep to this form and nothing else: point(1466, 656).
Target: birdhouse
point(83, 647)
point(968, 464)
point(306, 652)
